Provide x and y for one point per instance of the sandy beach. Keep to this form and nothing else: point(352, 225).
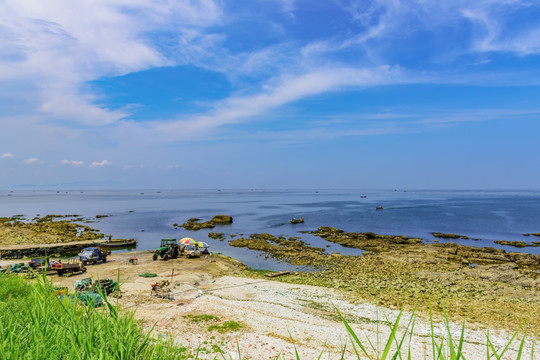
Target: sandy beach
point(273, 317)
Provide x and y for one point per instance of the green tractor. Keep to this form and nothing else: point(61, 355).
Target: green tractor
point(169, 249)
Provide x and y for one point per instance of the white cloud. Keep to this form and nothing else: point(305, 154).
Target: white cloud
point(6, 155)
point(71, 162)
point(31, 161)
point(53, 48)
point(101, 163)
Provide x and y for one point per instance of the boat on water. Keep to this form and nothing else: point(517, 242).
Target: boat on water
point(296, 221)
point(116, 243)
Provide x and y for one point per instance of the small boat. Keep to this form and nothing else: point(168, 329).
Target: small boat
point(116, 243)
point(274, 274)
point(296, 221)
point(379, 208)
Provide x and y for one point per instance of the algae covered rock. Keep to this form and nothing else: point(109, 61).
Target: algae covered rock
point(365, 241)
point(219, 236)
point(518, 244)
point(193, 224)
point(196, 224)
point(222, 219)
point(448, 236)
point(45, 230)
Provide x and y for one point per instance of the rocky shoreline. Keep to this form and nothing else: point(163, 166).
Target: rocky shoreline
point(485, 285)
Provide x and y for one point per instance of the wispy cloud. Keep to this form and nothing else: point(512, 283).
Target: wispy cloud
point(6, 156)
point(96, 164)
point(277, 93)
point(349, 125)
point(71, 162)
point(31, 161)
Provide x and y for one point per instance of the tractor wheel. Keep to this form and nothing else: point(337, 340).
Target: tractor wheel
point(175, 253)
point(83, 269)
point(166, 257)
point(154, 257)
point(104, 259)
point(60, 272)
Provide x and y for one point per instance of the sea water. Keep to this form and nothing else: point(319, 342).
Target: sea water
point(148, 215)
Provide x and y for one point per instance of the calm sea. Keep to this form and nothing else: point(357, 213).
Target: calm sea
point(148, 215)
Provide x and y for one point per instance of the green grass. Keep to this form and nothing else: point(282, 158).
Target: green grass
point(226, 327)
point(201, 318)
point(36, 324)
point(443, 347)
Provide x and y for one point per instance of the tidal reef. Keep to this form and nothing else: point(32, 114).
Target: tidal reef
point(518, 244)
point(218, 236)
point(449, 236)
point(480, 284)
point(48, 229)
point(365, 240)
point(280, 247)
point(196, 224)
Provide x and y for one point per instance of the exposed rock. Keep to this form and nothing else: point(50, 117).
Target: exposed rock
point(448, 236)
point(518, 244)
point(192, 225)
point(219, 236)
point(366, 241)
point(45, 230)
point(222, 219)
point(404, 271)
point(195, 224)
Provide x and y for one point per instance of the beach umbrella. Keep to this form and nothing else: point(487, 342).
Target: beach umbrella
point(187, 241)
point(203, 244)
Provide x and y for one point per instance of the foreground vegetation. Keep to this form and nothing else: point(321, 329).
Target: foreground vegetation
point(36, 324)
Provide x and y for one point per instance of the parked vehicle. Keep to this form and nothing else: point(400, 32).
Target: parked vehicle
point(192, 251)
point(93, 255)
point(169, 249)
point(41, 265)
point(69, 268)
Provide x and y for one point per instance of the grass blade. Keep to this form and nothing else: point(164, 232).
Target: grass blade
point(352, 333)
point(392, 336)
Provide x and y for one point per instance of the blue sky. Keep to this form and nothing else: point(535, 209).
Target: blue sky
point(270, 94)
